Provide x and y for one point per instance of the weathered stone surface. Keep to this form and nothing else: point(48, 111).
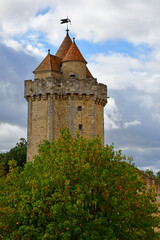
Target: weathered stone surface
point(66, 87)
point(53, 105)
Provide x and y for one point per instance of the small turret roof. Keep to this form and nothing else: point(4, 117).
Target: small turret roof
point(65, 45)
point(50, 62)
point(68, 51)
point(73, 54)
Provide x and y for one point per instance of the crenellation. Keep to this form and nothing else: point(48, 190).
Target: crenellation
point(42, 87)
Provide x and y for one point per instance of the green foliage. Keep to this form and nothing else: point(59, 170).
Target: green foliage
point(150, 173)
point(158, 175)
point(76, 189)
point(2, 165)
point(18, 153)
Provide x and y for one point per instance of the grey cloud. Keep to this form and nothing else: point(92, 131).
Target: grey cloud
point(145, 158)
point(15, 67)
point(9, 135)
point(142, 142)
point(13, 112)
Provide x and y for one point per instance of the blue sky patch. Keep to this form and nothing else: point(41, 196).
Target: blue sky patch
point(43, 11)
point(114, 46)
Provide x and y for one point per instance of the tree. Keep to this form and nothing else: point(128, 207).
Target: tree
point(158, 175)
point(76, 189)
point(2, 165)
point(150, 173)
point(18, 153)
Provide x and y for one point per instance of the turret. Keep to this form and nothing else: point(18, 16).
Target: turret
point(74, 64)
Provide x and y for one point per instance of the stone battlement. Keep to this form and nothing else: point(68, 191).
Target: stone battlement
point(41, 88)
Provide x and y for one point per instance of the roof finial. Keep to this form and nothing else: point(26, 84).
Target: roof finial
point(73, 39)
point(66, 20)
point(48, 51)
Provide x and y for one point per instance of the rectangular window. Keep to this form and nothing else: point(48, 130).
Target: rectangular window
point(79, 108)
point(80, 126)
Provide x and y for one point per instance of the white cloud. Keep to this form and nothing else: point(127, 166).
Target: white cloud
point(133, 123)
point(112, 116)
point(13, 44)
point(109, 19)
point(113, 119)
point(115, 70)
point(9, 135)
point(119, 72)
point(150, 167)
point(136, 21)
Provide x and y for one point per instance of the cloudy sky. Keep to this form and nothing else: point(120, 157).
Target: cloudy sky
point(120, 39)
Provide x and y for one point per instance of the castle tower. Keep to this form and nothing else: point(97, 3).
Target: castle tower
point(63, 94)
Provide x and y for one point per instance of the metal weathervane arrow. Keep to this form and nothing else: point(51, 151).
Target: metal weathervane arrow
point(66, 20)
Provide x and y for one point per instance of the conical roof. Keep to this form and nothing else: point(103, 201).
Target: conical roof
point(65, 45)
point(73, 54)
point(50, 62)
point(68, 51)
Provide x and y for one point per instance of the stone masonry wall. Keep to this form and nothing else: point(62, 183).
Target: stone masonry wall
point(55, 104)
point(46, 74)
point(38, 124)
point(64, 87)
point(154, 184)
point(74, 67)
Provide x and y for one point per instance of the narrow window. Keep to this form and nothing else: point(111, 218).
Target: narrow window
point(79, 108)
point(80, 126)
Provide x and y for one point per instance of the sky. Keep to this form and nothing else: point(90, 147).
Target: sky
point(120, 40)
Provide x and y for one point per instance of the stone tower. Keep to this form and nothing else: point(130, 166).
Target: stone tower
point(63, 94)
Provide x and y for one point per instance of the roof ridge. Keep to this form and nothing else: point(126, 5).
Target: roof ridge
point(50, 62)
point(74, 54)
point(65, 45)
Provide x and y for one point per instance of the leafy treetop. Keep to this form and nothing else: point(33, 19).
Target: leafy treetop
point(76, 189)
point(18, 153)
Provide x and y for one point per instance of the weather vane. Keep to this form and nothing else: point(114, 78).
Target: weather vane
point(66, 20)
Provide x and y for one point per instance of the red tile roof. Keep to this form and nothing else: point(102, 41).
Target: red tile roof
point(69, 51)
point(65, 45)
point(50, 62)
point(88, 73)
point(74, 54)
